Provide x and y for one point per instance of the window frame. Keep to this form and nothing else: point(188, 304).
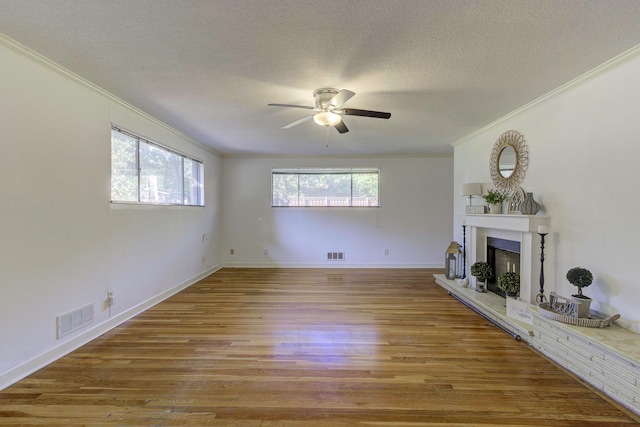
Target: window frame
point(200, 202)
point(325, 171)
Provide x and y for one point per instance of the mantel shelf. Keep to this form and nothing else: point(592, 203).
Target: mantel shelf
point(510, 222)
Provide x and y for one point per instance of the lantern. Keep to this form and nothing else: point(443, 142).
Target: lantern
point(452, 261)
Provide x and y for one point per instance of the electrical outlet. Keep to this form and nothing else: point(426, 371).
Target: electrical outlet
point(266, 251)
point(110, 300)
point(232, 251)
point(386, 251)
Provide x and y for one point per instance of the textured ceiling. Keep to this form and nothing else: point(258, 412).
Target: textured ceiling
point(443, 68)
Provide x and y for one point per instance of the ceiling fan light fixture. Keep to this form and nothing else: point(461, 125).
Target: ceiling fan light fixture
point(327, 118)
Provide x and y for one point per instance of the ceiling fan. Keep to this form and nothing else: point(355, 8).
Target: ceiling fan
point(328, 110)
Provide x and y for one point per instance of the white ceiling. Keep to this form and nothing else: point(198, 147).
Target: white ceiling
point(443, 68)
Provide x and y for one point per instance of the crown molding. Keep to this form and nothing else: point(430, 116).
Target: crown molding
point(337, 156)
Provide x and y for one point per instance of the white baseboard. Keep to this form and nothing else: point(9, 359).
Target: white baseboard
point(19, 372)
point(328, 264)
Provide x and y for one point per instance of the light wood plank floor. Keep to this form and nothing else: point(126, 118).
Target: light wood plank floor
point(307, 347)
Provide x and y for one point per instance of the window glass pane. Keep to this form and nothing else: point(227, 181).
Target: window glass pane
point(187, 169)
point(200, 167)
point(124, 170)
point(325, 189)
point(365, 189)
point(160, 175)
point(145, 172)
point(285, 189)
point(193, 183)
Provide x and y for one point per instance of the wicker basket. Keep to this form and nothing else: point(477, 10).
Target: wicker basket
point(595, 319)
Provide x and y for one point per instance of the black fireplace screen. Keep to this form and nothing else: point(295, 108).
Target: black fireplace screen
point(502, 255)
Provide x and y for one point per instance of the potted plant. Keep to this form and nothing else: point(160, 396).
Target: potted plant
point(581, 277)
point(482, 271)
point(495, 198)
point(509, 283)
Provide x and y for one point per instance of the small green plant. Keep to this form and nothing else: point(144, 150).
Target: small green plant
point(509, 282)
point(580, 277)
point(481, 270)
point(494, 197)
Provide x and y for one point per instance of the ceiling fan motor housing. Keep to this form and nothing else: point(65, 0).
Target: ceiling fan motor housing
point(323, 97)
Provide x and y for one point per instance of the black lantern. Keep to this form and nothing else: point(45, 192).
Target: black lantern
point(452, 260)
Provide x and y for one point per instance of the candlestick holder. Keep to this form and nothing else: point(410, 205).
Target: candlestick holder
point(464, 251)
point(540, 297)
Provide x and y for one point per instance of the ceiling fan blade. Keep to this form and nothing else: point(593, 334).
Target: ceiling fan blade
point(297, 122)
point(341, 127)
point(341, 97)
point(363, 113)
point(292, 106)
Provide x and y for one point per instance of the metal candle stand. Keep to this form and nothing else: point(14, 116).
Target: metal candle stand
point(540, 297)
point(464, 251)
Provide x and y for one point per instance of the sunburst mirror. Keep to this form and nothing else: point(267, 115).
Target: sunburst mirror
point(508, 161)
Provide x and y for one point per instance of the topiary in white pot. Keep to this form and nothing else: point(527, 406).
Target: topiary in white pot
point(581, 277)
point(482, 271)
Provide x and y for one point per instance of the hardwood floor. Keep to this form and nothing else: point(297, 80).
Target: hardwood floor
point(307, 347)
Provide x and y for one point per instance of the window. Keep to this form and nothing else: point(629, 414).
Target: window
point(145, 172)
point(325, 187)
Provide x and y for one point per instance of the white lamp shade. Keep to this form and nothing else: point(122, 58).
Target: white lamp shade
point(471, 189)
point(327, 118)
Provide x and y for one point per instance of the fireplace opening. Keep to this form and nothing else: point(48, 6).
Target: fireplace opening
point(502, 255)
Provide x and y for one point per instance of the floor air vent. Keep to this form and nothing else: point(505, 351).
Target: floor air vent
point(335, 256)
point(74, 320)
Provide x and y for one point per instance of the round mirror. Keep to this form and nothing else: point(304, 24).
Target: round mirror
point(507, 161)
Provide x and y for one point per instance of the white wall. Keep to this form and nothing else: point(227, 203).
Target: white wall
point(63, 244)
point(414, 222)
point(584, 148)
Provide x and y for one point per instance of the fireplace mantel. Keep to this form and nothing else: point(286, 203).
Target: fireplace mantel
point(516, 227)
point(512, 222)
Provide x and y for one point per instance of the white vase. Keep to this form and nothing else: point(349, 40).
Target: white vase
point(495, 208)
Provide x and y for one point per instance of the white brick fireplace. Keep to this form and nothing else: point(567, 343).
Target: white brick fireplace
point(516, 227)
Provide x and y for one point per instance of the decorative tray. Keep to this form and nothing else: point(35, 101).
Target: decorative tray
point(595, 319)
